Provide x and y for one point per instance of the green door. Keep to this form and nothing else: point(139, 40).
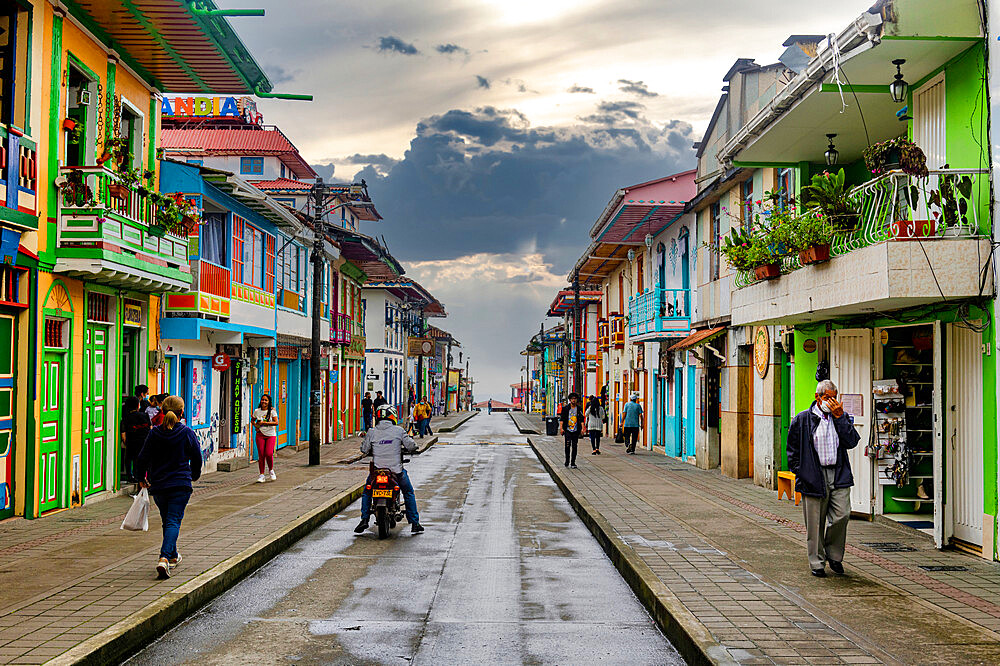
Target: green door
point(52, 454)
point(95, 409)
point(8, 345)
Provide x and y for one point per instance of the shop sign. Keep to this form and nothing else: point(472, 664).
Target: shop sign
point(132, 315)
point(236, 395)
point(220, 362)
point(809, 346)
point(761, 351)
point(324, 362)
point(420, 347)
point(212, 107)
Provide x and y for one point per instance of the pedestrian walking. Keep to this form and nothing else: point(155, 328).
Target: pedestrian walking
point(489, 406)
point(632, 422)
point(596, 418)
point(379, 401)
point(425, 414)
point(367, 411)
point(135, 429)
point(265, 422)
point(169, 461)
point(419, 412)
point(571, 418)
point(818, 441)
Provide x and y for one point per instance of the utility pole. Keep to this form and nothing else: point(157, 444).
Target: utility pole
point(577, 337)
point(319, 197)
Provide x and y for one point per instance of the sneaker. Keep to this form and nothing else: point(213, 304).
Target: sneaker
point(174, 562)
point(274, 477)
point(261, 479)
point(417, 528)
point(362, 526)
point(573, 466)
point(598, 452)
point(163, 569)
point(594, 452)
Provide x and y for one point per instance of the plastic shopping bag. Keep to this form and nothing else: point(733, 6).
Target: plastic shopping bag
point(137, 518)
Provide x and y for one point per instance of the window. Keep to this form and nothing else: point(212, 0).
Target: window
point(196, 162)
point(213, 239)
point(253, 256)
point(252, 165)
point(282, 169)
point(746, 210)
point(785, 185)
point(130, 129)
point(15, 26)
point(716, 235)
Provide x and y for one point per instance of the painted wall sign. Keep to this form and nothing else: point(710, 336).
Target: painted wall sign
point(420, 347)
point(236, 394)
point(761, 350)
point(220, 362)
point(132, 315)
point(809, 346)
point(212, 107)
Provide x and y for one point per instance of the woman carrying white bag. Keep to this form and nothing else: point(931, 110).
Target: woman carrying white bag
point(137, 518)
point(168, 463)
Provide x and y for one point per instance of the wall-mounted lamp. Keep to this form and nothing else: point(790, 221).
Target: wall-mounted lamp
point(631, 255)
point(831, 154)
point(898, 86)
point(649, 240)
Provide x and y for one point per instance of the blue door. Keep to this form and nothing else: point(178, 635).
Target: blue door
point(690, 415)
point(679, 437)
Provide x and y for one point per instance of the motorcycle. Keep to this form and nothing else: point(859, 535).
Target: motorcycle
point(386, 500)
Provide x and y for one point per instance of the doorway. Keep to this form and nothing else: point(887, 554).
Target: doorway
point(964, 435)
point(53, 465)
point(130, 362)
point(94, 424)
point(851, 371)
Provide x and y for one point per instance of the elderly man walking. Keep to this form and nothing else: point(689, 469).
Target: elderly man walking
point(818, 441)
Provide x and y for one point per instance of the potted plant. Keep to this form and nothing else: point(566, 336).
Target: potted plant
point(898, 153)
point(117, 149)
point(812, 234)
point(948, 204)
point(827, 194)
point(75, 190)
point(69, 124)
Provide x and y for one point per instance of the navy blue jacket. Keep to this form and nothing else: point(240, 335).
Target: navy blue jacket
point(803, 460)
point(169, 459)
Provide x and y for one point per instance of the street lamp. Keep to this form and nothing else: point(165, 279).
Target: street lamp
point(898, 87)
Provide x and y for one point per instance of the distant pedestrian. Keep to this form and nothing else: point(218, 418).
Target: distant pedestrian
point(489, 406)
point(154, 411)
point(169, 461)
point(379, 401)
point(135, 429)
point(571, 418)
point(265, 422)
point(818, 441)
point(596, 418)
point(142, 393)
point(424, 425)
point(367, 411)
point(632, 422)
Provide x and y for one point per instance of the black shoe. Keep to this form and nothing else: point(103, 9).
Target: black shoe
point(598, 452)
point(819, 573)
point(566, 464)
point(362, 526)
point(836, 567)
point(573, 466)
point(417, 528)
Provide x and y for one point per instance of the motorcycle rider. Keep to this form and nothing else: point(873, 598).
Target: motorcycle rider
point(386, 443)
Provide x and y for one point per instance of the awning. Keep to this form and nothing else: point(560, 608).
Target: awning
point(699, 337)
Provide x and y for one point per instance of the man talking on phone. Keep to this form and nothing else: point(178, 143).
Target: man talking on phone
point(818, 441)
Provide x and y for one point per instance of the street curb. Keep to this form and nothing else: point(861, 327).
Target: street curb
point(121, 639)
point(691, 638)
point(521, 429)
point(455, 426)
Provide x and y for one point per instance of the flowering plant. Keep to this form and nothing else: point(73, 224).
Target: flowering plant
point(766, 238)
point(827, 194)
point(811, 229)
point(880, 156)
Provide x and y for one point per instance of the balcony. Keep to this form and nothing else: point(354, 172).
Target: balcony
point(340, 329)
point(877, 268)
point(212, 295)
point(659, 314)
point(602, 335)
point(107, 238)
point(617, 324)
point(18, 179)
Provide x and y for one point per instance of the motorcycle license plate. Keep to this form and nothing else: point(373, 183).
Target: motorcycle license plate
point(382, 493)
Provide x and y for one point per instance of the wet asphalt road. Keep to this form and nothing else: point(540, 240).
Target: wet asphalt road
point(505, 574)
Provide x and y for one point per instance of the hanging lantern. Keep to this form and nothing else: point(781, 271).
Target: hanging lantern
point(831, 154)
point(649, 240)
point(898, 87)
point(631, 255)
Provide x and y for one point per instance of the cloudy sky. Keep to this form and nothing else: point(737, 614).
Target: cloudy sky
point(492, 133)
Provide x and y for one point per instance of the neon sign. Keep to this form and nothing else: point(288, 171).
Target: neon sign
point(212, 107)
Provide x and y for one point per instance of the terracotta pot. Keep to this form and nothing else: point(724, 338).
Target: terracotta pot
point(909, 229)
point(768, 271)
point(69, 124)
point(118, 191)
point(105, 156)
point(814, 254)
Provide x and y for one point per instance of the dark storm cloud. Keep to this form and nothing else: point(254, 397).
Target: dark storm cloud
point(448, 49)
point(580, 89)
point(523, 279)
point(325, 171)
point(482, 82)
point(378, 160)
point(396, 45)
point(636, 87)
point(487, 181)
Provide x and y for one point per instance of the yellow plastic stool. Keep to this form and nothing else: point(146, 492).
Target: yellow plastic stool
point(786, 487)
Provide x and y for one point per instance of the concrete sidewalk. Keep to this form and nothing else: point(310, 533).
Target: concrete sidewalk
point(721, 565)
point(79, 589)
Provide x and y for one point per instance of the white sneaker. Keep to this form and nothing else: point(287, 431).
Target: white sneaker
point(274, 477)
point(261, 479)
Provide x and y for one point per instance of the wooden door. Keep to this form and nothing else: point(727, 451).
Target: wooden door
point(8, 356)
point(94, 420)
point(964, 433)
point(53, 432)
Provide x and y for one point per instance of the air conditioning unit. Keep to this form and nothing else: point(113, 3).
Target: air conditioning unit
point(83, 97)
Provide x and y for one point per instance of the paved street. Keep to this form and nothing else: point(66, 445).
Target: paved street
point(506, 573)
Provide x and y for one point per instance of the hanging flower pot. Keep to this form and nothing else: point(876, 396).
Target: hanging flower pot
point(118, 191)
point(768, 271)
point(69, 124)
point(105, 156)
point(814, 254)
